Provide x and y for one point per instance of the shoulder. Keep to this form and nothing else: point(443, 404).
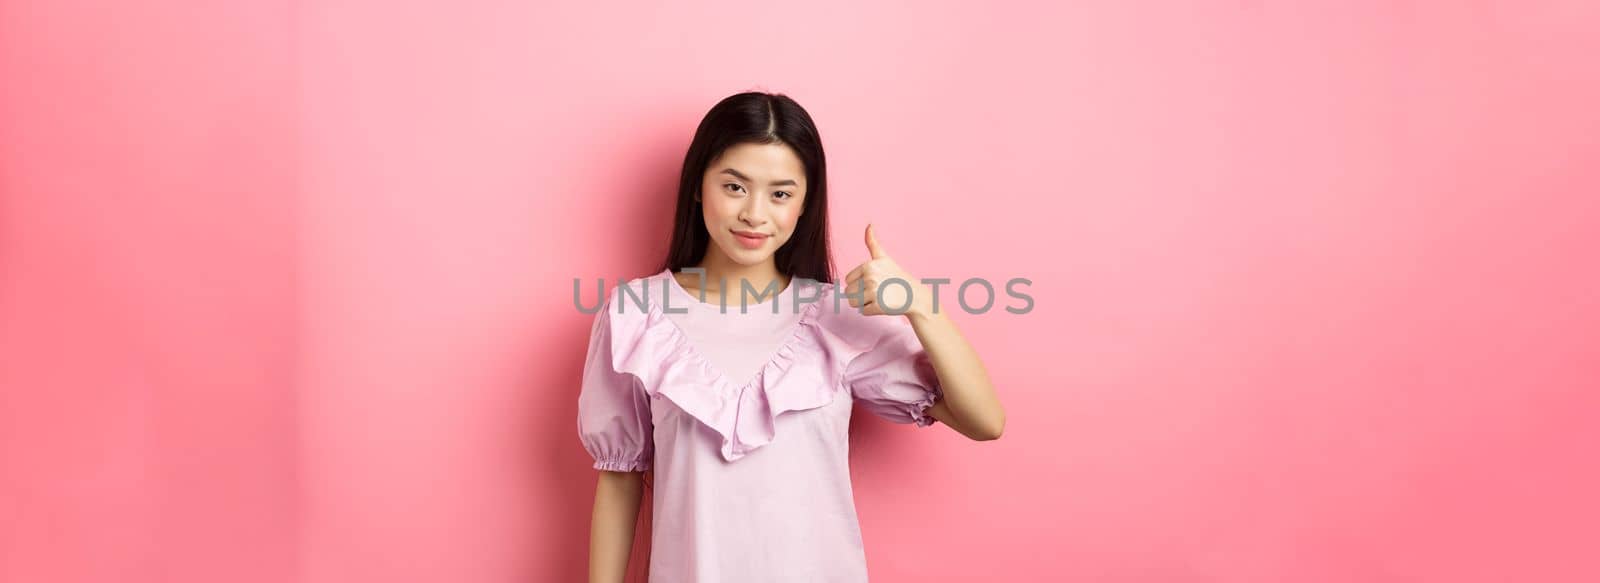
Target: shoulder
point(629, 325)
point(636, 295)
point(625, 306)
point(847, 322)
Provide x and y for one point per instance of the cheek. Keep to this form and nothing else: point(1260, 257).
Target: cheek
point(787, 219)
point(718, 209)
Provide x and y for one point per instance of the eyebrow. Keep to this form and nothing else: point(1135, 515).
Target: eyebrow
point(736, 174)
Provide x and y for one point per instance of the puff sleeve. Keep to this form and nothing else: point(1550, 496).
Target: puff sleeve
point(614, 421)
point(895, 379)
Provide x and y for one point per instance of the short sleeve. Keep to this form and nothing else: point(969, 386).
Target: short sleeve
point(614, 420)
point(895, 378)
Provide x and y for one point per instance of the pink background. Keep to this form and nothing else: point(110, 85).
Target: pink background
point(285, 290)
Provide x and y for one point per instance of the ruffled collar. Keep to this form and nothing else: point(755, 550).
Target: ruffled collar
point(804, 373)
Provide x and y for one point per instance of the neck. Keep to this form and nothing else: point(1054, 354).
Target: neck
point(720, 269)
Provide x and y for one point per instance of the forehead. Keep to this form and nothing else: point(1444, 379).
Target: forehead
point(761, 162)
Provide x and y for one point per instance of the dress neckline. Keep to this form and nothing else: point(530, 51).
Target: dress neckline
point(779, 358)
point(694, 302)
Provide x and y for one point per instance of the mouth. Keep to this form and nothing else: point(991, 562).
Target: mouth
point(750, 239)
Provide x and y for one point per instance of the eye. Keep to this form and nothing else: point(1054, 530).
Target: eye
point(732, 186)
point(786, 193)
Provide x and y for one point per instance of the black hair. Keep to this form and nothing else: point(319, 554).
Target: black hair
point(756, 118)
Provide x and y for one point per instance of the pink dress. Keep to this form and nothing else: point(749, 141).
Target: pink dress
point(745, 419)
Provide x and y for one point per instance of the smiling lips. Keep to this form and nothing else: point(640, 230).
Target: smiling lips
point(750, 239)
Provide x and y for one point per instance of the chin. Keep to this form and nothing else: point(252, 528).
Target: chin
point(746, 257)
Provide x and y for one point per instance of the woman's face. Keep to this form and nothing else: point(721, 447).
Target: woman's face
point(757, 190)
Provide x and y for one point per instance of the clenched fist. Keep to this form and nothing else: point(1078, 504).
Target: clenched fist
point(880, 287)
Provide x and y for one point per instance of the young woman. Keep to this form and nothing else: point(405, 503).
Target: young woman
point(738, 399)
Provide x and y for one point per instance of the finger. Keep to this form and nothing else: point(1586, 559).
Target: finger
point(872, 244)
point(871, 308)
point(854, 273)
point(849, 286)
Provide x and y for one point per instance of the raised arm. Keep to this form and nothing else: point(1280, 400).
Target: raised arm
point(969, 404)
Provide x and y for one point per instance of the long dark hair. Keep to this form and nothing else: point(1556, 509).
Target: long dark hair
point(758, 118)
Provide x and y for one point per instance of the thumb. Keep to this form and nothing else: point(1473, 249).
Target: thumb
point(872, 244)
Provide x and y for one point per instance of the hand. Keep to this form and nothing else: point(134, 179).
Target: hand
point(869, 294)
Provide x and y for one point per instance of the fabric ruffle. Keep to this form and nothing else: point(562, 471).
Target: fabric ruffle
point(622, 465)
point(805, 373)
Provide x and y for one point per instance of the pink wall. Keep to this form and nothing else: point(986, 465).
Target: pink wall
point(284, 291)
point(147, 293)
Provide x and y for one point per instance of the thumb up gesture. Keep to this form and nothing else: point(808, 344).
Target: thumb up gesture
point(880, 287)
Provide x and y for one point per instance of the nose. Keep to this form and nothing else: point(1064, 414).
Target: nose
point(753, 212)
